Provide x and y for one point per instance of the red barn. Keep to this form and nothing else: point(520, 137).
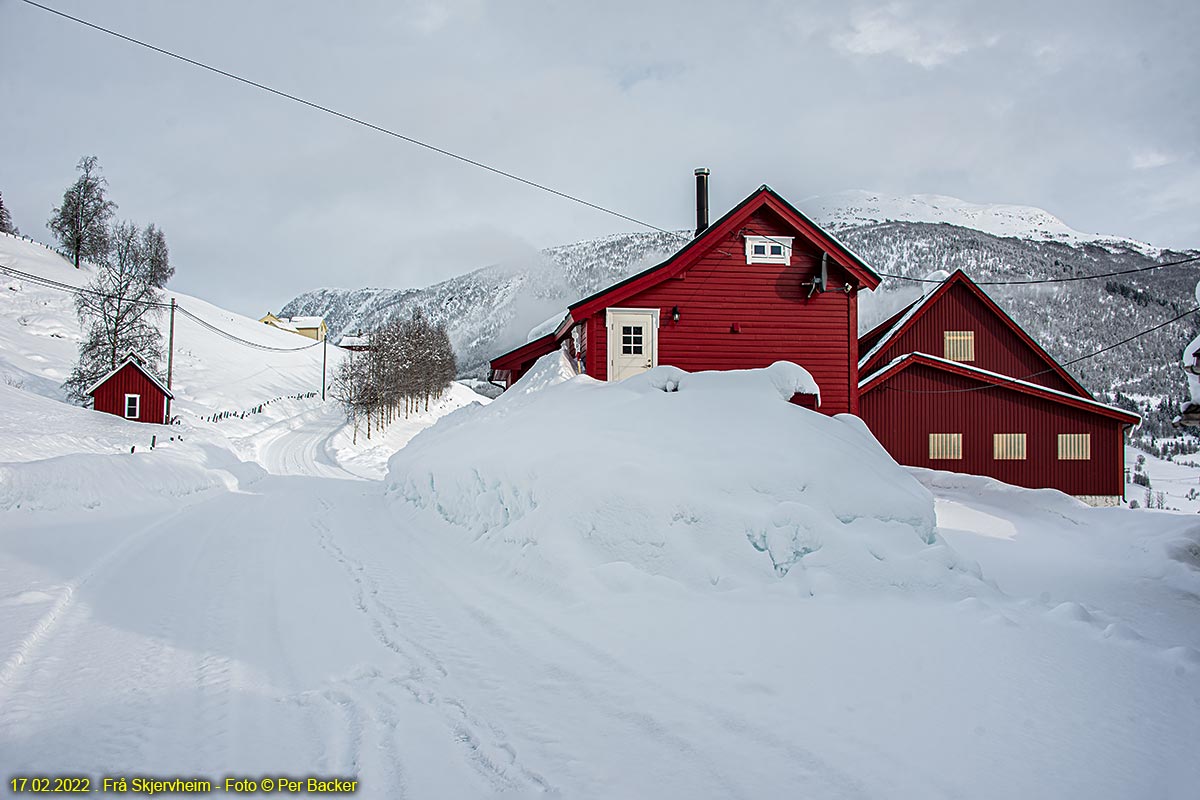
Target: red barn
point(953, 383)
point(131, 392)
point(762, 284)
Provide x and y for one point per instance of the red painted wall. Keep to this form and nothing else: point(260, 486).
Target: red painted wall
point(110, 396)
point(776, 320)
point(997, 348)
point(902, 422)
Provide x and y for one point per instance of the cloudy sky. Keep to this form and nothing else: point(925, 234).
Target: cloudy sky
point(1090, 110)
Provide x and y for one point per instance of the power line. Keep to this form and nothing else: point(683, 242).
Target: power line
point(510, 175)
point(80, 290)
point(240, 340)
point(1029, 282)
point(1070, 279)
point(1009, 379)
point(347, 117)
point(77, 290)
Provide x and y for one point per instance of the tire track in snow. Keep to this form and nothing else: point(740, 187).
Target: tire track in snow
point(492, 757)
point(11, 672)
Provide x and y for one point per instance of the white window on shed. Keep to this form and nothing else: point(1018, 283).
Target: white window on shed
point(1074, 446)
point(133, 406)
point(959, 345)
point(945, 446)
point(769, 249)
point(1008, 446)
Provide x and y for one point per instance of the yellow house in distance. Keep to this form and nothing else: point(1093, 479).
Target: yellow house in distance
point(310, 327)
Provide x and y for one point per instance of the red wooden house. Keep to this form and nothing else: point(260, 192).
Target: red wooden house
point(762, 284)
point(953, 383)
point(950, 382)
point(130, 391)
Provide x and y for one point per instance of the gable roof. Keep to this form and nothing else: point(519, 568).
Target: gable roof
point(898, 365)
point(905, 319)
point(136, 361)
point(763, 197)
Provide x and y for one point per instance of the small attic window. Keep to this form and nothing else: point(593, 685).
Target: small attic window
point(768, 249)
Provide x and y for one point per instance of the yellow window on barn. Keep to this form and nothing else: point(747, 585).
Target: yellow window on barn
point(1074, 446)
point(1008, 446)
point(945, 446)
point(960, 345)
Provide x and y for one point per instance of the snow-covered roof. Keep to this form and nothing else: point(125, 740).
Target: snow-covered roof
point(913, 310)
point(353, 341)
point(307, 322)
point(548, 325)
point(995, 377)
point(136, 361)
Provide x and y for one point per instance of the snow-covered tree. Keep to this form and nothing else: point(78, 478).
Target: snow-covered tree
point(80, 223)
point(118, 310)
point(6, 223)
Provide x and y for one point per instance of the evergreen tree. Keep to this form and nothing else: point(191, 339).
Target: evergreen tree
point(118, 312)
point(6, 223)
point(80, 223)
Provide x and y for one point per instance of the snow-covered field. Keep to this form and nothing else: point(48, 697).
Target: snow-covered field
point(677, 586)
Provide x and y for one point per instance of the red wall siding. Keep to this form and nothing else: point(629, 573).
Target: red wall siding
point(776, 320)
point(110, 396)
point(902, 422)
point(997, 348)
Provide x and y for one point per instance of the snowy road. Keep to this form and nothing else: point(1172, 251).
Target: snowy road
point(253, 634)
point(296, 629)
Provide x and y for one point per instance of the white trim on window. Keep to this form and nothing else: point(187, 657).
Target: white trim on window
point(137, 406)
point(769, 249)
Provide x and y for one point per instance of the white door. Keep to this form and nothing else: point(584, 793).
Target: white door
point(632, 341)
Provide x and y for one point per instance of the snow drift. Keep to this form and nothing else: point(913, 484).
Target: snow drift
point(709, 479)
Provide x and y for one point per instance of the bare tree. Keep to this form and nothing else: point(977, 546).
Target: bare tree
point(6, 223)
point(118, 309)
point(158, 257)
point(408, 363)
point(80, 223)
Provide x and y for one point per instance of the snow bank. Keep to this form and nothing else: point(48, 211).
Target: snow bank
point(143, 479)
point(709, 479)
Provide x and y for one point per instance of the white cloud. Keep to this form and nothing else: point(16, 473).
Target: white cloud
point(1150, 158)
point(894, 30)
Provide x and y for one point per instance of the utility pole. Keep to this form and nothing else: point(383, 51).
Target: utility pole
point(170, 356)
point(324, 353)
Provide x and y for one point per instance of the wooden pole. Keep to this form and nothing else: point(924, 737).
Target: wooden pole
point(170, 356)
point(324, 353)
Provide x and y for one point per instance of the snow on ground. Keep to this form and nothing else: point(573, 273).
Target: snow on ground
point(1178, 480)
point(677, 586)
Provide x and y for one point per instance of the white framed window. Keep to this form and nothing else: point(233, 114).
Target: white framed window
point(1074, 447)
point(769, 249)
point(133, 406)
point(945, 446)
point(960, 345)
point(1008, 446)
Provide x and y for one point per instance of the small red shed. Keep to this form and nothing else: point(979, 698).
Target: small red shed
point(764, 283)
point(953, 383)
point(131, 392)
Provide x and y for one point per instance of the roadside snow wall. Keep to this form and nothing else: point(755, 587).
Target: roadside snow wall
point(709, 479)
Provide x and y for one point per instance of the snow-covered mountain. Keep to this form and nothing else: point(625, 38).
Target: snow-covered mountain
point(857, 207)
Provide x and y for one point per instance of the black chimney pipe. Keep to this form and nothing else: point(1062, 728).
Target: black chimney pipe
point(701, 200)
